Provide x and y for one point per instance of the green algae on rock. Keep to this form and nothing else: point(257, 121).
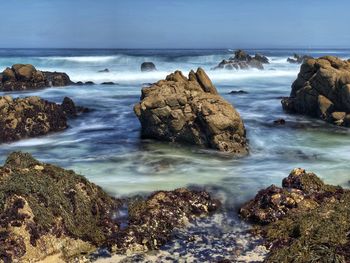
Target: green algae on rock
point(305, 221)
point(32, 116)
point(46, 210)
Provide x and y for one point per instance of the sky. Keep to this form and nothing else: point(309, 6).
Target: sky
point(174, 24)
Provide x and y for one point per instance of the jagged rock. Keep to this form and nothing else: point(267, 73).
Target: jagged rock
point(238, 92)
point(304, 220)
point(242, 60)
point(148, 66)
point(190, 110)
point(26, 76)
point(279, 121)
point(298, 59)
point(322, 90)
point(32, 116)
point(46, 210)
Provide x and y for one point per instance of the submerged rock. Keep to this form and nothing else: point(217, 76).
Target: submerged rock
point(242, 60)
point(26, 76)
point(32, 116)
point(190, 110)
point(322, 90)
point(298, 59)
point(238, 92)
point(148, 66)
point(46, 210)
point(106, 70)
point(305, 220)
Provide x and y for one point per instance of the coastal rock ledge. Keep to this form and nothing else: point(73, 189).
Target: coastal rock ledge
point(322, 90)
point(305, 220)
point(190, 110)
point(48, 211)
point(26, 76)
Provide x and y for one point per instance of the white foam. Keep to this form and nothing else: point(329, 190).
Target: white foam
point(83, 59)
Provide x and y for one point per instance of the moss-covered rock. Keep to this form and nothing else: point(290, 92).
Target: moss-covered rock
point(45, 209)
point(313, 228)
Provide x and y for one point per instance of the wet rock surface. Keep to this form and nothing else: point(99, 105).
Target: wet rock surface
point(298, 59)
point(190, 110)
point(304, 221)
point(242, 60)
point(322, 90)
point(46, 210)
point(148, 67)
point(32, 116)
point(26, 77)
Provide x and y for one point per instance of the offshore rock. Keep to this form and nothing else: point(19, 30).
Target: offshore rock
point(148, 66)
point(32, 116)
point(190, 110)
point(304, 221)
point(298, 59)
point(322, 90)
point(242, 60)
point(26, 76)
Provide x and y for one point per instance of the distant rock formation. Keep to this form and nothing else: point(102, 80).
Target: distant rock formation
point(46, 210)
point(106, 70)
point(322, 90)
point(26, 76)
point(298, 59)
point(32, 116)
point(242, 60)
point(148, 66)
point(190, 110)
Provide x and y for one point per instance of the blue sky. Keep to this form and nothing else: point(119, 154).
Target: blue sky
point(174, 23)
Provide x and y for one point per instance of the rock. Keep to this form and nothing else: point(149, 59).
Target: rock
point(89, 83)
point(238, 92)
point(279, 121)
point(108, 83)
point(31, 117)
point(242, 60)
point(152, 220)
point(46, 210)
point(57, 211)
point(26, 76)
point(322, 88)
point(298, 59)
point(148, 66)
point(106, 70)
point(189, 110)
point(304, 220)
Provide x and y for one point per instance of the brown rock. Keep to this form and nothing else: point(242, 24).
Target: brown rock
point(189, 110)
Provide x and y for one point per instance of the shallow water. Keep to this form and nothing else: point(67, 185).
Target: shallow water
point(104, 145)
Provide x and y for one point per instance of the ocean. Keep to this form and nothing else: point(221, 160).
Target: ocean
point(105, 145)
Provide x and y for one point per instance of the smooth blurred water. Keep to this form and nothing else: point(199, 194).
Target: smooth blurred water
point(104, 145)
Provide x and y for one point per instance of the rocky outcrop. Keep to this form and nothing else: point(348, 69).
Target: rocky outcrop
point(242, 60)
point(322, 90)
point(148, 66)
point(190, 110)
point(26, 76)
point(303, 220)
point(46, 210)
point(298, 59)
point(32, 116)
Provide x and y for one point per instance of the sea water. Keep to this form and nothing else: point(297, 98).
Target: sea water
point(105, 145)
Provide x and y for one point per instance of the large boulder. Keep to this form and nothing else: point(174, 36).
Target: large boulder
point(148, 66)
point(242, 60)
point(48, 211)
point(302, 221)
point(322, 90)
point(32, 116)
point(26, 76)
point(190, 110)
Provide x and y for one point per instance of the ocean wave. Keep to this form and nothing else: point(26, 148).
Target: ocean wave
point(83, 59)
